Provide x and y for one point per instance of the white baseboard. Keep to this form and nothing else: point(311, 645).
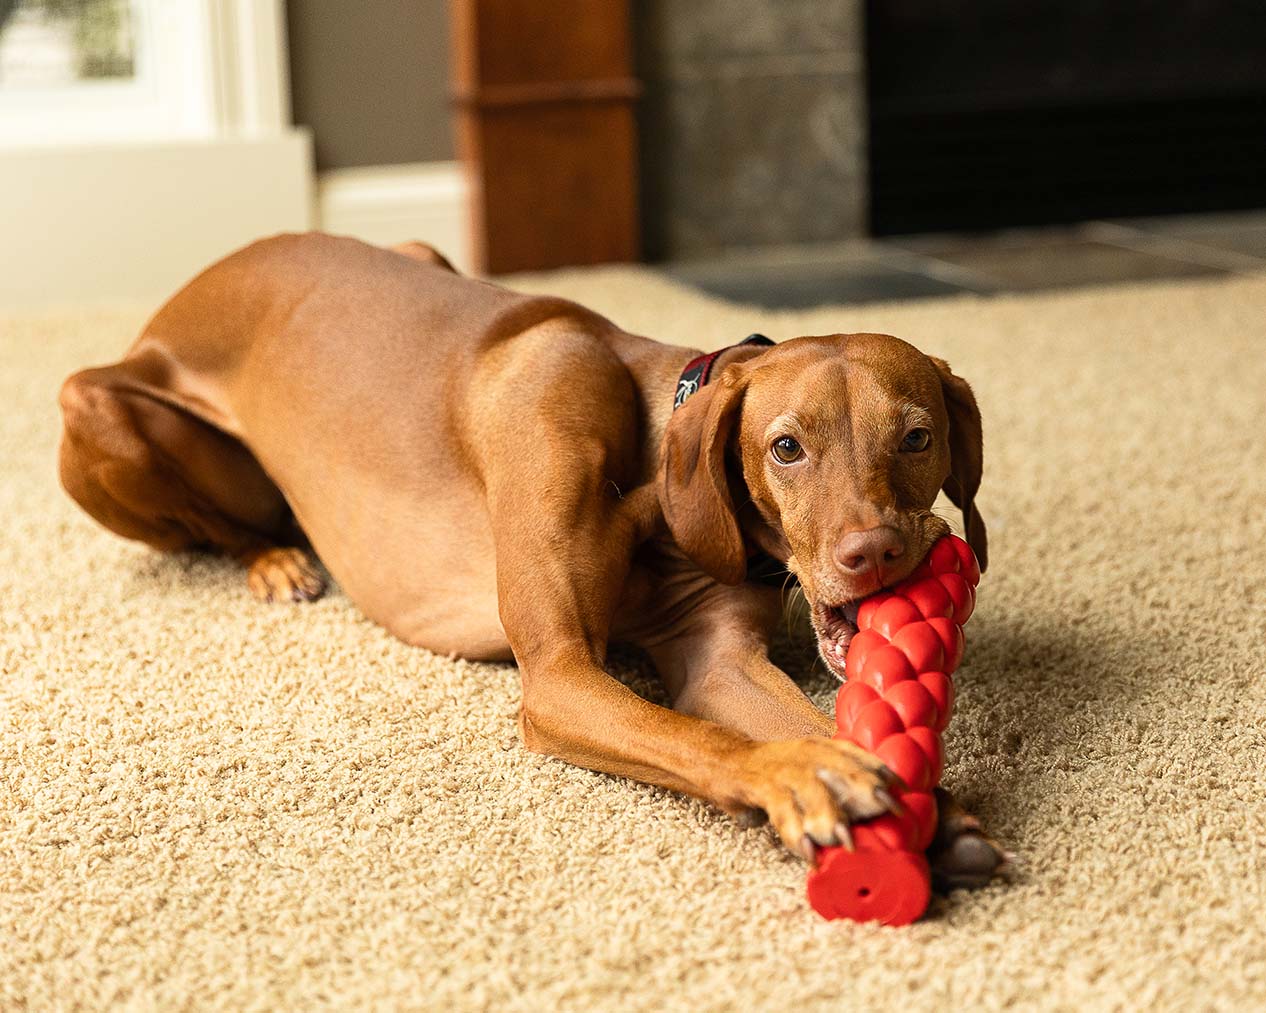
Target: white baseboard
point(386, 204)
point(109, 222)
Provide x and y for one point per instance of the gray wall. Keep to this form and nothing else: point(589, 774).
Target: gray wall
point(753, 129)
point(370, 77)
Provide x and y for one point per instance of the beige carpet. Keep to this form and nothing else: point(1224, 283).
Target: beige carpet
point(208, 803)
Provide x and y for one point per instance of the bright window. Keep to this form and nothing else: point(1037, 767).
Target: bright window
point(96, 70)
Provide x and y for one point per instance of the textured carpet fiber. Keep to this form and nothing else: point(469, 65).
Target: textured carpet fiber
point(206, 802)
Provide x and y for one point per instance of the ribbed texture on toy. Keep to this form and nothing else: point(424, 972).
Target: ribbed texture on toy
point(896, 701)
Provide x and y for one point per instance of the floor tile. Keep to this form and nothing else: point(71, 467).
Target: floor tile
point(1243, 233)
point(798, 286)
point(1057, 261)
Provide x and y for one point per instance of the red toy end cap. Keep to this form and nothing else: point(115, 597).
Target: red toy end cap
point(892, 887)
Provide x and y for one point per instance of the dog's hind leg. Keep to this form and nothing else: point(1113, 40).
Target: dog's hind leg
point(147, 468)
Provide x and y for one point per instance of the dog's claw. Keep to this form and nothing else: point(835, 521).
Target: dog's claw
point(889, 802)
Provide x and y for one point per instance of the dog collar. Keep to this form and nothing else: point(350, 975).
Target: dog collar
point(761, 567)
point(698, 370)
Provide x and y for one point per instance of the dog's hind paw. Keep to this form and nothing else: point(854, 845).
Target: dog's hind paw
point(277, 574)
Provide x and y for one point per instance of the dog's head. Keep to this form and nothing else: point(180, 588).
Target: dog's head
point(827, 453)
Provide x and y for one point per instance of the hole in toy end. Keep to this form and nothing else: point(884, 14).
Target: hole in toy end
point(890, 887)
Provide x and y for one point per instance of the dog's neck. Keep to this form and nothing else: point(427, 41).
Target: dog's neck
point(699, 370)
point(657, 370)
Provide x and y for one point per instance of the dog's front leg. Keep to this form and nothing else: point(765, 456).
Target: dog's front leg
point(710, 646)
point(733, 683)
point(715, 666)
point(558, 585)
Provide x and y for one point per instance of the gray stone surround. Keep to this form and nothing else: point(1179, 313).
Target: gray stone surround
point(753, 127)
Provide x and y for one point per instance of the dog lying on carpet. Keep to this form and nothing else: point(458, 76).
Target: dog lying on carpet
point(497, 475)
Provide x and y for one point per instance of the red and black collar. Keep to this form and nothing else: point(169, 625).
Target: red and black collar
point(698, 370)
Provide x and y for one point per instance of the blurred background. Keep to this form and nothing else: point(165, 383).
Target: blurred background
point(777, 152)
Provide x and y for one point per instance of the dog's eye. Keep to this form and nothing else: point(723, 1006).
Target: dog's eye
point(787, 449)
point(916, 441)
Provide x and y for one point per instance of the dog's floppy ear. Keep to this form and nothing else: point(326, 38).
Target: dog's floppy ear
point(693, 488)
point(967, 456)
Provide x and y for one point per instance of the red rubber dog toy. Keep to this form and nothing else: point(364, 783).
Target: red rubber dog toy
point(895, 703)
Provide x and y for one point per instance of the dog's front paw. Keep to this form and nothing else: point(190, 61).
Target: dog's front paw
point(283, 575)
point(811, 789)
point(961, 855)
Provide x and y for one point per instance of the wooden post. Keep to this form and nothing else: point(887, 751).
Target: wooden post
point(545, 122)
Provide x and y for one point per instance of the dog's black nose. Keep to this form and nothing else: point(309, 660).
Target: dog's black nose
point(869, 551)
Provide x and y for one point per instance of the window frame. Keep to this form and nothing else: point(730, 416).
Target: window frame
point(205, 69)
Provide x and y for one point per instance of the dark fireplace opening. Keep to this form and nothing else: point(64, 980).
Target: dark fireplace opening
point(986, 114)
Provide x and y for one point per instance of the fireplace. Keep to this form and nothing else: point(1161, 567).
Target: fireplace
point(986, 113)
point(782, 122)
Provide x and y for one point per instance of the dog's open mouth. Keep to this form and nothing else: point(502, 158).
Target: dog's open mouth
point(835, 626)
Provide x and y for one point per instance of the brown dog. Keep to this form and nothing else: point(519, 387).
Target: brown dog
point(494, 475)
